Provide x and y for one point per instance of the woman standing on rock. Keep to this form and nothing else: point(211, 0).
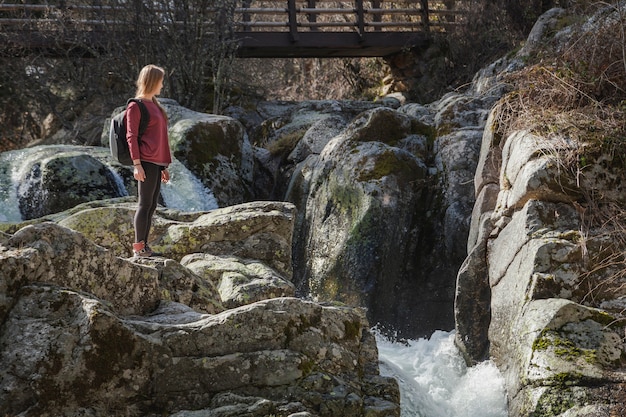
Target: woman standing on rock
point(150, 154)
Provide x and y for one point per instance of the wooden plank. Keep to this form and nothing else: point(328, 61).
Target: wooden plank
point(326, 44)
point(293, 22)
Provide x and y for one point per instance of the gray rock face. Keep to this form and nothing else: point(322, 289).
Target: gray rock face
point(384, 208)
point(49, 253)
point(542, 276)
point(81, 357)
point(239, 281)
point(360, 203)
point(85, 332)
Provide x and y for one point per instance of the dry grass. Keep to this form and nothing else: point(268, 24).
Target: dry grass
point(580, 95)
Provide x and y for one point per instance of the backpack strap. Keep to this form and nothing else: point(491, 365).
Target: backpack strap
point(145, 116)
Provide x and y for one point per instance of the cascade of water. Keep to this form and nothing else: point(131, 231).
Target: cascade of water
point(434, 381)
point(185, 191)
point(120, 188)
point(11, 166)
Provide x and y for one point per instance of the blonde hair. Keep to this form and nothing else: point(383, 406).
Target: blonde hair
point(147, 83)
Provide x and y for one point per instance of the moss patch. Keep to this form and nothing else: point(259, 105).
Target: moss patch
point(344, 199)
point(352, 329)
point(563, 347)
point(554, 402)
point(388, 163)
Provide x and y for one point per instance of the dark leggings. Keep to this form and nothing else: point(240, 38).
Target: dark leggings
point(148, 191)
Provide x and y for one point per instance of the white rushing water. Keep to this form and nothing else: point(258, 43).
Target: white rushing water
point(13, 167)
point(435, 382)
point(184, 191)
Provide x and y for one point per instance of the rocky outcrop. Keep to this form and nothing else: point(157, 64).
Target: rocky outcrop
point(84, 331)
point(49, 253)
point(239, 281)
point(360, 199)
point(286, 133)
point(383, 191)
point(552, 312)
point(384, 204)
point(541, 291)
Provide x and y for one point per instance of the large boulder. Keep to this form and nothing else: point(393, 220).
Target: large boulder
point(86, 332)
point(49, 179)
point(216, 149)
point(256, 230)
point(358, 223)
point(67, 353)
point(384, 206)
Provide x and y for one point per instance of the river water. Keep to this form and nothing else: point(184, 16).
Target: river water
point(184, 191)
point(435, 382)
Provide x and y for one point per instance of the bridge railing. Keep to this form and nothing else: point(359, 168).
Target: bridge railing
point(254, 15)
point(39, 23)
point(62, 24)
point(357, 15)
point(91, 13)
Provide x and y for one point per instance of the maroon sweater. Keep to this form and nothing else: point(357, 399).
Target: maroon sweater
point(154, 146)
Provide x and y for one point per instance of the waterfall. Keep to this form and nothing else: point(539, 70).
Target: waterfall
point(12, 167)
point(119, 183)
point(185, 191)
point(435, 382)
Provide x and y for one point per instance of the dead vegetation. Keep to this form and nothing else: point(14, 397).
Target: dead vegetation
point(577, 91)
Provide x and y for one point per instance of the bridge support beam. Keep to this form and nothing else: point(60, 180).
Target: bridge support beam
point(327, 44)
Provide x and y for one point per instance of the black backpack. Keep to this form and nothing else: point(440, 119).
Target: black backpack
point(117, 134)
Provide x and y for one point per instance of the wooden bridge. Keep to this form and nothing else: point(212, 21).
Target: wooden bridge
point(291, 28)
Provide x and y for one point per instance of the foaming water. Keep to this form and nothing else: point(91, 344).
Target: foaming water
point(12, 165)
point(120, 188)
point(185, 191)
point(435, 382)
